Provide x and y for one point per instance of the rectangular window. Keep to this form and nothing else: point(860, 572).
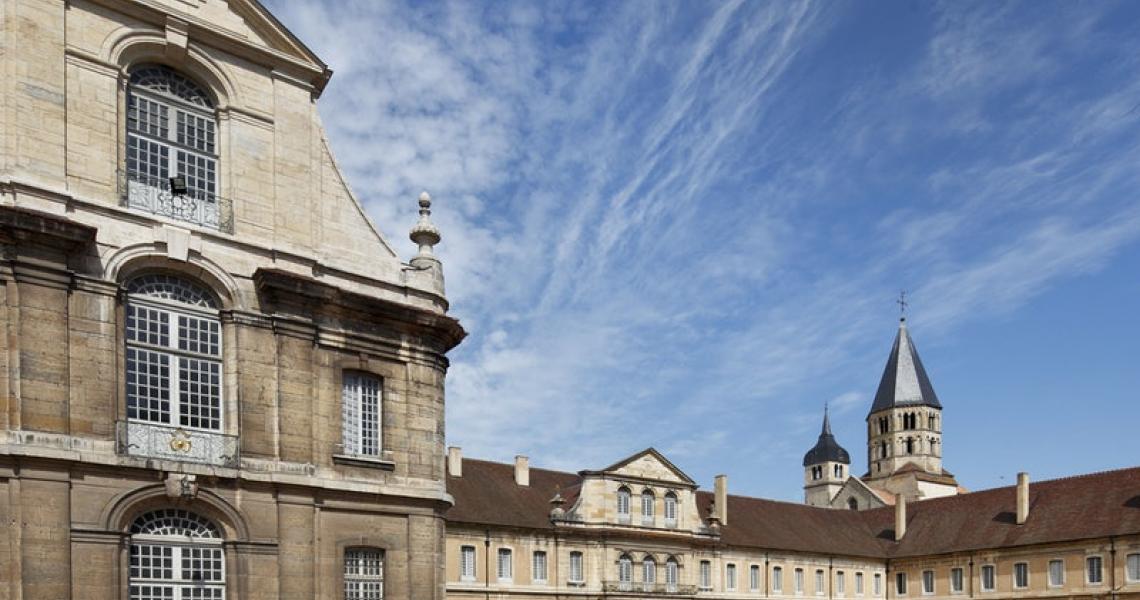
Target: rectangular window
point(798, 582)
point(706, 575)
point(670, 510)
point(360, 409)
point(671, 575)
point(900, 584)
point(754, 577)
point(467, 563)
point(538, 567)
point(576, 570)
point(988, 578)
point(1094, 567)
point(878, 583)
point(1020, 575)
point(819, 582)
point(858, 584)
point(840, 583)
point(956, 580)
point(777, 579)
point(363, 574)
point(1056, 573)
point(505, 568)
point(730, 577)
point(928, 582)
point(1133, 571)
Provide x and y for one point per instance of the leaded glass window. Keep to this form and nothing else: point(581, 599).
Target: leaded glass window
point(174, 351)
point(363, 574)
point(361, 409)
point(175, 554)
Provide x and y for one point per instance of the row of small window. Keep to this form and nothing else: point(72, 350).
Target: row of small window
point(648, 506)
point(174, 365)
point(1094, 575)
point(820, 578)
point(505, 569)
point(910, 445)
point(909, 421)
point(817, 472)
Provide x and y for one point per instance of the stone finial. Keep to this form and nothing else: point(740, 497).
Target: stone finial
point(424, 233)
point(556, 511)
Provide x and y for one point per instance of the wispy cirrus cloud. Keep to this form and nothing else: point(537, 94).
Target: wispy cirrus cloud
point(681, 225)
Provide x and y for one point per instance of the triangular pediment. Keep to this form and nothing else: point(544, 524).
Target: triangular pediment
point(649, 465)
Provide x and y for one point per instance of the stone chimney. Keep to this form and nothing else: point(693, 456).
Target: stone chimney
point(900, 516)
point(522, 470)
point(455, 461)
point(720, 491)
point(1022, 498)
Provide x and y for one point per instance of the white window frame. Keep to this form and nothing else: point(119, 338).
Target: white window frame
point(360, 581)
point(820, 582)
point(1049, 568)
point(1100, 569)
point(504, 564)
point(798, 581)
point(992, 569)
point(754, 578)
point(670, 509)
point(706, 575)
point(185, 536)
point(1013, 575)
point(624, 496)
point(538, 567)
point(672, 574)
point(625, 572)
point(648, 500)
point(777, 579)
point(169, 312)
point(928, 578)
point(648, 572)
point(957, 580)
point(1132, 575)
point(859, 584)
point(362, 414)
point(577, 563)
point(467, 563)
point(730, 577)
point(840, 583)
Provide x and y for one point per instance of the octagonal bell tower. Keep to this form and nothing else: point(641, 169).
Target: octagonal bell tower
point(826, 467)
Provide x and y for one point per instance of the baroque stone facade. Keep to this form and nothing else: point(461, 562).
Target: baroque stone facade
point(218, 380)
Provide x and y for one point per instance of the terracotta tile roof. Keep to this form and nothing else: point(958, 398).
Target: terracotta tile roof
point(1082, 507)
point(1072, 508)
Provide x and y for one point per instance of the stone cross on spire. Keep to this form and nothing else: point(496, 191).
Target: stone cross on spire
point(902, 305)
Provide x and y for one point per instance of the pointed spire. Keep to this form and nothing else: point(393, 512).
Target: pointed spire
point(904, 381)
point(424, 233)
point(826, 449)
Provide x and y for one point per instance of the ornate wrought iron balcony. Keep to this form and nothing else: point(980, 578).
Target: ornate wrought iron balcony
point(153, 195)
point(152, 440)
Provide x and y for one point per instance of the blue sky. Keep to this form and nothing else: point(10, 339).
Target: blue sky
point(684, 224)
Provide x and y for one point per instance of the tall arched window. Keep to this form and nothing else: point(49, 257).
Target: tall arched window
point(174, 351)
point(623, 497)
point(649, 572)
point(625, 572)
point(647, 502)
point(672, 574)
point(172, 156)
point(363, 574)
point(176, 554)
point(670, 509)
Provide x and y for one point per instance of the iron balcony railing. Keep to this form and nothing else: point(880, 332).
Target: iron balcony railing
point(652, 589)
point(153, 194)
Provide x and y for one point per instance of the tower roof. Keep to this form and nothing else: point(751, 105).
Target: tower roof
point(904, 381)
point(826, 448)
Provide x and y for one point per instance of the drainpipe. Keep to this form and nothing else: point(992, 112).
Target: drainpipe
point(487, 563)
point(830, 575)
point(767, 574)
point(887, 583)
point(971, 575)
point(1112, 566)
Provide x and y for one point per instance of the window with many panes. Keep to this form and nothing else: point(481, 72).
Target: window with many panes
point(798, 581)
point(858, 583)
point(175, 553)
point(625, 572)
point(878, 583)
point(623, 497)
point(672, 574)
point(754, 577)
point(505, 567)
point(649, 572)
point(647, 501)
point(706, 575)
point(928, 582)
point(363, 574)
point(577, 572)
point(1020, 575)
point(171, 132)
point(467, 563)
point(988, 578)
point(1094, 570)
point(819, 579)
point(956, 580)
point(174, 353)
point(1132, 565)
point(538, 567)
point(670, 509)
point(840, 583)
point(777, 579)
point(730, 577)
point(361, 402)
point(1056, 573)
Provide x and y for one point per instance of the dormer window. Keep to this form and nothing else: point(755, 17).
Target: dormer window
point(623, 498)
point(647, 502)
point(172, 150)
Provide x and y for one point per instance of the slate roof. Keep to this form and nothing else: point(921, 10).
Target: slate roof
point(904, 381)
point(1073, 508)
point(826, 448)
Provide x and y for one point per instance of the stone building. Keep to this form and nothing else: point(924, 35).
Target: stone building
point(218, 379)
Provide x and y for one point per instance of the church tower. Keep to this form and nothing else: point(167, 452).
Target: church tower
point(826, 468)
point(904, 428)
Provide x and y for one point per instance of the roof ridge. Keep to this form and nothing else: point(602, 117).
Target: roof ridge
point(511, 465)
